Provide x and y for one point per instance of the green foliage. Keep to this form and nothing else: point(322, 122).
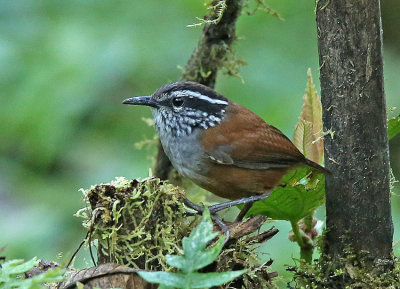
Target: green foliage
point(393, 127)
point(195, 256)
point(11, 275)
point(299, 194)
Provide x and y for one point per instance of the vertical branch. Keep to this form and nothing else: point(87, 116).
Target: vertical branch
point(214, 45)
point(208, 57)
point(353, 100)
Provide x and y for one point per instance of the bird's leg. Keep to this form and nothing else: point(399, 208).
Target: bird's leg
point(219, 207)
point(222, 206)
point(226, 205)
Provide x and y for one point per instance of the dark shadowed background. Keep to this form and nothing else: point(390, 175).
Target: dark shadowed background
point(67, 65)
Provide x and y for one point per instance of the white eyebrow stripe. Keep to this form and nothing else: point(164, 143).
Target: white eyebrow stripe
point(200, 96)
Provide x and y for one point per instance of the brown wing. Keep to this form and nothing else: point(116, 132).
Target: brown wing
point(247, 141)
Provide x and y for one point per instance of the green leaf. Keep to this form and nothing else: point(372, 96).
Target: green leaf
point(393, 127)
point(17, 266)
point(35, 282)
point(295, 176)
point(207, 280)
point(299, 195)
point(204, 258)
point(175, 280)
point(200, 236)
point(307, 136)
point(191, 280)
point(176, 261)
point(194, 247)
point(11, 271)
point(198, 260)
point(196, 255)
point(165, 287)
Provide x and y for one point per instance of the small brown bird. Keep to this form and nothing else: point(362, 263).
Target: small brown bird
point(220, 145)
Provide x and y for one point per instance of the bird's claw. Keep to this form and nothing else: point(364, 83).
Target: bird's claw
point(218, 207)
point(213, 213)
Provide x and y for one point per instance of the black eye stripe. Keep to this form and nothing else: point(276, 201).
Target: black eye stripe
point(205, 106)
point(194, 103)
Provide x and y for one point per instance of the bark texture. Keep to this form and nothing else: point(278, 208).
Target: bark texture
point(358, 192)
point(212, 51)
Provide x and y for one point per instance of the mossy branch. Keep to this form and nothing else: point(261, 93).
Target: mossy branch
point(137, 223)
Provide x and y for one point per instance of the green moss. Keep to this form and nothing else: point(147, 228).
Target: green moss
point(351, 272)
point(135, 223)
point(232, 64)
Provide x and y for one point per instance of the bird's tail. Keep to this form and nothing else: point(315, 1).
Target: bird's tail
point(317, 167)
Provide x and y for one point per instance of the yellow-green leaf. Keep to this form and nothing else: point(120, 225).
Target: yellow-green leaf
point(307, 136)
point(302, 138)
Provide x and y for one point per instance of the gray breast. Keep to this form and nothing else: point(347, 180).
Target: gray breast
point(185, 153)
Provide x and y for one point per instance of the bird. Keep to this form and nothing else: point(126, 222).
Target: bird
point(220, 145)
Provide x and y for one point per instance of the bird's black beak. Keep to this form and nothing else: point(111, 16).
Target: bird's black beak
point(141, 100)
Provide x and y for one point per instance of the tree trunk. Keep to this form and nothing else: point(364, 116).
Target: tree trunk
point(358, 213)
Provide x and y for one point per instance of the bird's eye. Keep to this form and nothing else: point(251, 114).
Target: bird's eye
point(177, 101)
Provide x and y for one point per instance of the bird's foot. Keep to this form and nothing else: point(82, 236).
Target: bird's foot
point(219, 207)
point(224, 228)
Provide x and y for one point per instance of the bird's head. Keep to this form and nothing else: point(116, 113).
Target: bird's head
point(181, 107)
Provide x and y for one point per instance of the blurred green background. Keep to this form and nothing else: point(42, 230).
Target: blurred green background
point(67, 65)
